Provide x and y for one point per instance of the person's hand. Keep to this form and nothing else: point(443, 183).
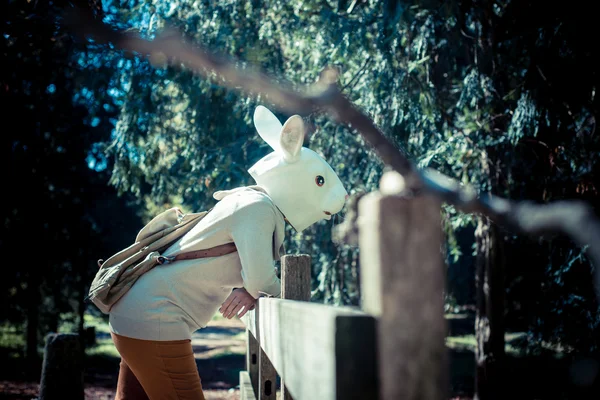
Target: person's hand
point(238, 299)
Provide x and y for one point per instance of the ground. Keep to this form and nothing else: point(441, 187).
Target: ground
point(220, 355)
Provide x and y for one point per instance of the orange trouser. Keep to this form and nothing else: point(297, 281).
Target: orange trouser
point(160, 370)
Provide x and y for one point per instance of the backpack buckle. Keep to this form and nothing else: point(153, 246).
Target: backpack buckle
point(164, 260)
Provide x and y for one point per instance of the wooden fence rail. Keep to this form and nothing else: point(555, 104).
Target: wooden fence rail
point(392, 347)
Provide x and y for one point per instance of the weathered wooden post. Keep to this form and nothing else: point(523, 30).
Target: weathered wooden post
point(295, 277)
point(62, 370)
point(295, 285)
point(252, 349)
point(261, 375)
point(267, 377)
point(402, 284)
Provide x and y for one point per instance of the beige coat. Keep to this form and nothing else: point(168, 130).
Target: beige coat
point(171, 301)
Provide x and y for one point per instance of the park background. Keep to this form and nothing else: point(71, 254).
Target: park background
point(500, 95)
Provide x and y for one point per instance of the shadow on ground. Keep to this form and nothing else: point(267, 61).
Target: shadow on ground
point(221, 372)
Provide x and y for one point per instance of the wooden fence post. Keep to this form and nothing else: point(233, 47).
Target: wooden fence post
point(402, 284)
point(267, 377)
point(62, 370)
point(252, 349)
point(295, 277)
point(295, 285)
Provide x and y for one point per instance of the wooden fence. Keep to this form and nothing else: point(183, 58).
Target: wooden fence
point(392, 347)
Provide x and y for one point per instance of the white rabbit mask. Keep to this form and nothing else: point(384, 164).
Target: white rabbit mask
point(300, 182)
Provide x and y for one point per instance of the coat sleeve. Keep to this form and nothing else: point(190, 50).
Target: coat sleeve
point(252, 232)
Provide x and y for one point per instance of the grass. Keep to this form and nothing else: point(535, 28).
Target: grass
point(97, 322)
point(11, 337)
point(103, 347)
point(469, 343)
point(12, 340)
point(543, 377)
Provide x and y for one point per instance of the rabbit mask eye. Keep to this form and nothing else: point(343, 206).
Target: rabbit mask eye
point(319, 180)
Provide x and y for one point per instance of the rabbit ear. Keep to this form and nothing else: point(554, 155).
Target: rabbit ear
point(268, 126)
point(292, 138)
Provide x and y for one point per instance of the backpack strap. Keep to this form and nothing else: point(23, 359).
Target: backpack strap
point(216, 251)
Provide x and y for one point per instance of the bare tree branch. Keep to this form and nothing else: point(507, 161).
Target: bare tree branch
point(324, 94)
point(575, 219)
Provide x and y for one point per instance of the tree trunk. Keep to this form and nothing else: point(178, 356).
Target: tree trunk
point(81, 306)
point(489, 322)
point(33, 319)
point(53, 314)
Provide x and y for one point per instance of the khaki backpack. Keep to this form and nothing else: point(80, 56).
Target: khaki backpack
point(118, 273)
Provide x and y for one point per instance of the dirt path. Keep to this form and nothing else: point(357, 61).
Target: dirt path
point(220, 351)
point(220, 355)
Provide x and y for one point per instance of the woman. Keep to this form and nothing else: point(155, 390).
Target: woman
point(152, 324)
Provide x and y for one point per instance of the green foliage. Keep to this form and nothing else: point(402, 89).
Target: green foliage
point(11, 337)
point(500, 95)
point(476, 92)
